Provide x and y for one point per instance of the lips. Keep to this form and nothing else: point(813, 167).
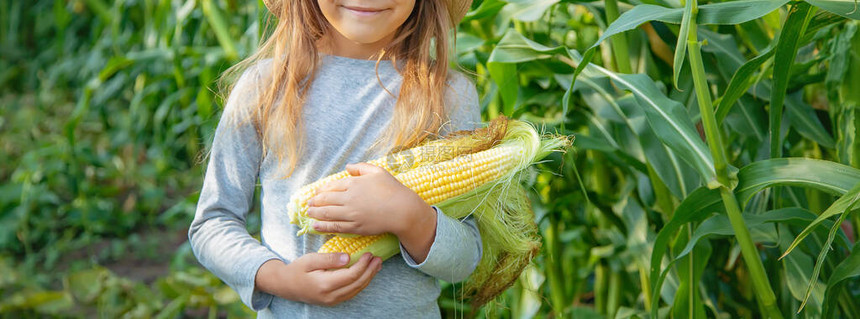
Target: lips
point(363, 11)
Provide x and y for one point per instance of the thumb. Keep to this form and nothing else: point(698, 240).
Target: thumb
point(359, 169)
point(323, 261)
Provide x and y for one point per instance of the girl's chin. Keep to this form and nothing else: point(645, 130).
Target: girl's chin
point(362, 38)
point(362, 41)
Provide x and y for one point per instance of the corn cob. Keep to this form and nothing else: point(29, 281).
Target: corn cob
point(435, 184)
point(457, 143)
point(439, 182)
point(383, 246)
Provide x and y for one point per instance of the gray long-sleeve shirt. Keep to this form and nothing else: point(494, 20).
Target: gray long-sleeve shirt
point(345, 112)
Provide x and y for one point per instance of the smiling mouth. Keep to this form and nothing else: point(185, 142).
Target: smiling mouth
point(363, 11)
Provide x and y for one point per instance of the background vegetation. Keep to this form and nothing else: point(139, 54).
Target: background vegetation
point(714, 174)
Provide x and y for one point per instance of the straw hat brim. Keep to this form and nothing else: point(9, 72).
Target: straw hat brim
point(456, 8)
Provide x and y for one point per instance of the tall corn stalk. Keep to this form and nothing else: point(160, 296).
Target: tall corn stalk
point(762, 286)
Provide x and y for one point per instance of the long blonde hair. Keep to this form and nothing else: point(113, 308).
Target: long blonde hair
point(422, 43)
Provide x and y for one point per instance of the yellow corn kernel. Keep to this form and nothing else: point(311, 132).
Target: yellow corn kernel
point(439, 182)
point(339, 244)
point(382, 245)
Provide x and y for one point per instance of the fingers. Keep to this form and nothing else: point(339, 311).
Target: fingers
point(329, 213)
point(359, 169)
point(338, 185)
point(335, 226)
point(328, 199)
point(344, 277)
point(317, 261)
point(357, 286)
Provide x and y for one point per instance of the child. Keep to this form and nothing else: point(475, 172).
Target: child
point(337, 82)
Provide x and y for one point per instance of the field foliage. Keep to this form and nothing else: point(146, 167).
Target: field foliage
point(715, 171)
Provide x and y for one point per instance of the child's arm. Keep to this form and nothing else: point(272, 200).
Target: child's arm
point(217, 234)
point(455, 249)
point(223, 245)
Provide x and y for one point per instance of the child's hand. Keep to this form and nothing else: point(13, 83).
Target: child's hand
point(369, 202)
point(318, 278)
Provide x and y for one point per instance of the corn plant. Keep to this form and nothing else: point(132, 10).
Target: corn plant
point(684, 113)
point(108, 107)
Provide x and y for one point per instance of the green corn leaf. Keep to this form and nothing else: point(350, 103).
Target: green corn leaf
point(719, 225)
point(839, 60)
point(734, 12)
point(676, 174)
point(725, 52)
point(741, 81)
point(696, 207)
point(515, 48)
point(688, 300)
point(526, 10)
point(596, 93)
point(620, 50)
point(828, 176)
point(505, 76)
point(467, 43)
point(786, 50)
point(668, 119)
point(749, 119)
point(744, 77)
point(512, 49)
point(601, 130)
point(846, 8)
point(488, 8)
point(796, 267)
point(841, 206)
point(681, 47)
point(803, 118)
point(100, 9)
point(848, 268)
point(219, 25)
point(813, 280)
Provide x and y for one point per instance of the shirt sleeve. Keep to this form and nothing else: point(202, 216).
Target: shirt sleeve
point(218, 234)
point(456, 250)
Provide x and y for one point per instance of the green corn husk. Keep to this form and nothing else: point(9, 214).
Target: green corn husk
point(504, 217)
